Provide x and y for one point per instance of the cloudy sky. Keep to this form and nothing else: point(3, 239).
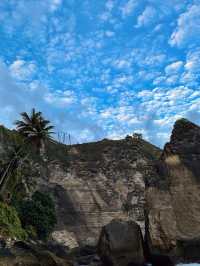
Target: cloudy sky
point(101, 68)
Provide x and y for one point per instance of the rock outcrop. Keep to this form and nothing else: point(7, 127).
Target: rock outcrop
point(24, 254)
point(103, 181)
point(121, 244)
point(91, 183)
point(173, 201)
point(130, 179)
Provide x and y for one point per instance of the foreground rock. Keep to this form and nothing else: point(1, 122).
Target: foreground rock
point(121, 244)
point(24, 254)
point(173, 199)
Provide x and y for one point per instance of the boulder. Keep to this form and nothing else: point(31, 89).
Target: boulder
point(121, 244)
point(161, 260)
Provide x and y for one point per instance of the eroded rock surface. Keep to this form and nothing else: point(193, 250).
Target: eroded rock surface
point(174, 200)
point(91, 183)
point(104, 180)
point(121, 244)
point(24, 254)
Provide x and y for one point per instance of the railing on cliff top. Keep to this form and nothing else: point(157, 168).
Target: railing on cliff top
point(65, 138)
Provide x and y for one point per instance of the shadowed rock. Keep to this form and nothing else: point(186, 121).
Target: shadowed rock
point(174, 212)
point(121, 244)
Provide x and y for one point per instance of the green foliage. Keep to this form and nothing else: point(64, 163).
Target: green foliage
point(39, 212)
point(31, 231)
point(182, 121)
point(10, 225)
point(34, 128)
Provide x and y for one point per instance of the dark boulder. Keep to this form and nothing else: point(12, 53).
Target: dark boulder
point(121, 244)
point(161, 260)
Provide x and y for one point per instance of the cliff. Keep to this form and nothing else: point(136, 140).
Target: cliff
point(130, 179)
point(91, 184)
point(173, 205)
point(103, 180)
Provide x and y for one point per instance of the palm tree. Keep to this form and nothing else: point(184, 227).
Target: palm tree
point(35, 129)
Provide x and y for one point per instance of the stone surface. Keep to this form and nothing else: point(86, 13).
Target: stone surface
point(121, 244)
point(24, 254)
point(103, 181)
point(174, 200)
point(91, 184)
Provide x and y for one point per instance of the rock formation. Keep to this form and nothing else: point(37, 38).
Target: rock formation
point(130, 179)
point(103, 181)
point(25, 254)
point(91, 183)
point(173, 201)
point(121, 244)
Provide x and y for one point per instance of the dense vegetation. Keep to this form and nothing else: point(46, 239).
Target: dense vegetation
point(35, 216)
point(38, 213)
point(10, 225)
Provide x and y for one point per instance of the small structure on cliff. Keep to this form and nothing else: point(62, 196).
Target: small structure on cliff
point(137, 136)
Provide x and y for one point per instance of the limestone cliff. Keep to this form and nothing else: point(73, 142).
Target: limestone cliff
point(173, 201)
point(103, 180)
point(91, 184)
point(131, 179)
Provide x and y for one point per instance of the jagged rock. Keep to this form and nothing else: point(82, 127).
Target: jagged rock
point(173, 205)
point(121, 244)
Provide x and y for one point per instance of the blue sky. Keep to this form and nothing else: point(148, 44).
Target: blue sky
point(101, 68)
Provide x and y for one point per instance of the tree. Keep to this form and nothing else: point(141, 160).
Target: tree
point(39, 213)
point(35, 128)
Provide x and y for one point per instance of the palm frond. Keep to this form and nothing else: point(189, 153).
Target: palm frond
point(34, 126)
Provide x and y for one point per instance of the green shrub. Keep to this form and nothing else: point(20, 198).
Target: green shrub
point(10, 225)
point(39, 212)
point(31, 231)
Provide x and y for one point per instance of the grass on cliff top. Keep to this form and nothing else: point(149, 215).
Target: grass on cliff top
point(10, 225)
point(93, 150)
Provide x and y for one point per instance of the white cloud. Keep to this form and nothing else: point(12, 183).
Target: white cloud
point(22, 70)
point(173, 67)
point(191, 72)
point(145, 94)
point(54, 4)
point(122, 63)
point(147, 17)
point(193, 61)
point(109, 33)
point(188, 28)
point(60, 98)
point(128, 8)
point(109, 5)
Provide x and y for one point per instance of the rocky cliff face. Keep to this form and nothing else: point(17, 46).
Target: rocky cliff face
point(91, 183)
point(103, 180)
point(129, 179)
point(173, 202)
